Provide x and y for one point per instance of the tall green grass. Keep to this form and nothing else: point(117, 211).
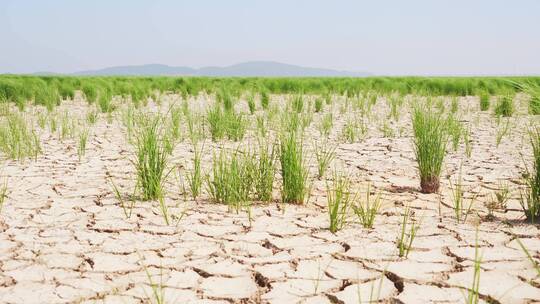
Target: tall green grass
point(339, 199)
point(454, 105)
point(505, 106)
point(297, 104)
point(224, 122)
point(231, 180)
point(105, 101)
point(530, 196)
point(291, 122)
point(68, 126)
point(47, 96)
point(324, 154)
point(216, 122)
point(395, 102)
point(18, 139)
point(429, 141)
point(325, 124)
point(195, 128)
point(484, 101)
point(90, 92)
point(265, 169)
point(175, 123)
point(195, 177)
point(251, 104)
point(92, 116)
point(24, 89)
point(265, 100)
point(319, 104)
point(151, 157)
point(455, 130)
point(533, 90)
point(354, 130)
point(262, 124)
point(66, 89)
point(503, 129)
point(83, 139)
point(294, 170)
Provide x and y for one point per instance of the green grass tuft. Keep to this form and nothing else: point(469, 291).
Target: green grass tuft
point(324, 155)
point(298, 104)
point(530, 196)
point(405, 239)
point(18, 140)
point(151, 158)
point(90, 93)
point(195, 178)
point(505, 106)
point(319, 104)
point(265, 100)
point(294, 170)
point(83, 139)
point(251, 104)
point(455, 130)
point(367, 209)
point(484, 101)
point(461, 209)
point(430, 140)
point(105, 101)
point(231, 179)
point(339, 200)
point(225, 122)
point(533, 90)
point(265, 169)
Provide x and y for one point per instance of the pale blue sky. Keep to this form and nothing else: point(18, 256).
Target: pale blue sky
point(414, 37)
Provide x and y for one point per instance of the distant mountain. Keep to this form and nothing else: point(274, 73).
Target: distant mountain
point(273, 69)
point(143, 70)
point(46, 74)
point(246, 69)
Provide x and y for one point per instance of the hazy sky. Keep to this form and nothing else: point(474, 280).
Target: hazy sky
point(422, 37)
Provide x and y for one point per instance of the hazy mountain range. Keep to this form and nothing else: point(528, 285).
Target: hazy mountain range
point(245, 69)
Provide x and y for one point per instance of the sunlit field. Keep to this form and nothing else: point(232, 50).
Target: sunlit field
point(269, 190)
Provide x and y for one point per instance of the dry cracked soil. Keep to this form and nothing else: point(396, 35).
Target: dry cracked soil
point(64, 237)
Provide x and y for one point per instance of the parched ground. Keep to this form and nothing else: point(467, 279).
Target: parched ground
point(64, 237)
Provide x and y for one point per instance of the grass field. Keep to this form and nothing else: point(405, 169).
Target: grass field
point(269, 190)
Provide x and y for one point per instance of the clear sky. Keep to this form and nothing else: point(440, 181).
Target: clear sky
point(400, 37)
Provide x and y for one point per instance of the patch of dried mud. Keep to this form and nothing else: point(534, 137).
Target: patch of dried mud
point(64, 238)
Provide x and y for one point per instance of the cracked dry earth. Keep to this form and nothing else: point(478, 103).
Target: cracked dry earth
point(64, 237)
